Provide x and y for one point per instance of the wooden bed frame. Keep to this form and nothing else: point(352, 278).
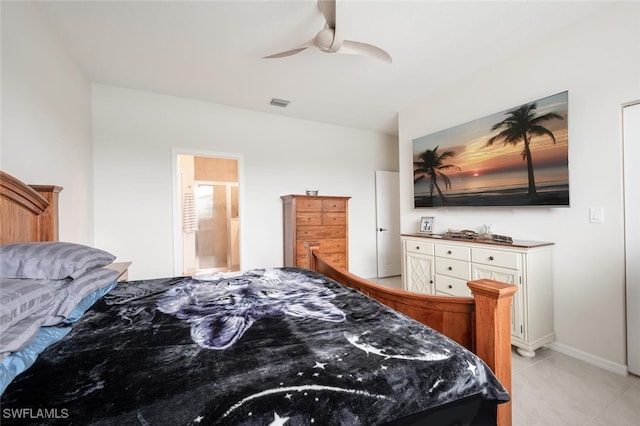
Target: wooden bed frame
point(27, 213)
point(482, 323)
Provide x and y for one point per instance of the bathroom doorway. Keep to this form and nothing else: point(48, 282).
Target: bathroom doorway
point(210, 213)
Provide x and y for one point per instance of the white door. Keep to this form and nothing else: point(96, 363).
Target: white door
point(631, 135)
point(388, 223)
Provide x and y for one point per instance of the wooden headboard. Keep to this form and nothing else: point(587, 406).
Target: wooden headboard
point(27, 213)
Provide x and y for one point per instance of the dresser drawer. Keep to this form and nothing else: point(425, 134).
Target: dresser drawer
point(420, 247)
point(308, 204)
point(334, 205)
point(330, 245)
point(453, 268)
point(309, 218)
point(502, 259)
point(337, 258)
point(452, 286)
point(332, 218)
point(453, 252)
point(313, 233)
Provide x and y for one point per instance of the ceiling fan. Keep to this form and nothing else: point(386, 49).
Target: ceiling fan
point(329, 41)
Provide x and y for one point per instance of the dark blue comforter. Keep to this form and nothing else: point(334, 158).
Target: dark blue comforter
point(278, 346)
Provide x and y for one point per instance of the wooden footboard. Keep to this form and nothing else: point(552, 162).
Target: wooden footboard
point(481, 324)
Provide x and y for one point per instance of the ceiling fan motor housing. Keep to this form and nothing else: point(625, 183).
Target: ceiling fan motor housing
point(328, 41)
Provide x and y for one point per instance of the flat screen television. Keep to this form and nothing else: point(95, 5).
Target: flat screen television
point(516, 157)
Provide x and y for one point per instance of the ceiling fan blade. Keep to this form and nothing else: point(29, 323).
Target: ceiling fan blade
point(328, 9)
point(364, 49)
point(288, 52)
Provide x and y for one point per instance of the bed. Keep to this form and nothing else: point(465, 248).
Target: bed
point(268, 346)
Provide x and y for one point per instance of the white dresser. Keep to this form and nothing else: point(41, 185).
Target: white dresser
point(435, 265)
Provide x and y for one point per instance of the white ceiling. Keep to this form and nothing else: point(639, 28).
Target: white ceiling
point(212, 50)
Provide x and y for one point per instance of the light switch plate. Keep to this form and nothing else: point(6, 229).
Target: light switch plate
point(596, 215)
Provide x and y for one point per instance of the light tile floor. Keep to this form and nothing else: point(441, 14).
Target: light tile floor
point(554, 389)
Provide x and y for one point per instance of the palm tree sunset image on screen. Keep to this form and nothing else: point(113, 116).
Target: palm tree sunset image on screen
point(432, 167)
point(516, 157)
point(521, 126)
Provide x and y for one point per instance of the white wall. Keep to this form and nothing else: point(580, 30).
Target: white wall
point(598, 62)
point(46, 138)
point(135, 132)
point(46, 117)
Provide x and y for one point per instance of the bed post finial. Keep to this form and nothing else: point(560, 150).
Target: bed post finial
point(49, 220)
point(311, 260)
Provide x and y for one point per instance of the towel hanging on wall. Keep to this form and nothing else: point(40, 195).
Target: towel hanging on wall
point(189, 220)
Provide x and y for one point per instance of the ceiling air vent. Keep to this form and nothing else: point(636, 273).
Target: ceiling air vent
point(279, 102)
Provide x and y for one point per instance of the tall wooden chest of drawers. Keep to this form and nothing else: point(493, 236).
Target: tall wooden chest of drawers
point(314, 218)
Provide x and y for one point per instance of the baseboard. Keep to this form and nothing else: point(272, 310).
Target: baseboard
point(605, 364)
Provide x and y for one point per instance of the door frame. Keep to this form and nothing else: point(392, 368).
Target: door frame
point(631, 152)
point(176, 201)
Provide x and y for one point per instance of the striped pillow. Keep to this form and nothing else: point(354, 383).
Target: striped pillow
point(72, 293)
point(50, 260)
point(20, 299)
point(26, 305)
point(19, 335)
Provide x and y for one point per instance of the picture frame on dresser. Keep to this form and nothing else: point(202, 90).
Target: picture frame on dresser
point(426, 225)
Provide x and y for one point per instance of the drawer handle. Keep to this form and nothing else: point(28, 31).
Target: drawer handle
point(417, 247)
point(448, 251)
point(450, 268)
point(490, 257)
point(450, 286)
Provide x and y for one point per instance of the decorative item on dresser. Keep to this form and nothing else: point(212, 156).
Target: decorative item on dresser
point(324, 219)
point(442, 266)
